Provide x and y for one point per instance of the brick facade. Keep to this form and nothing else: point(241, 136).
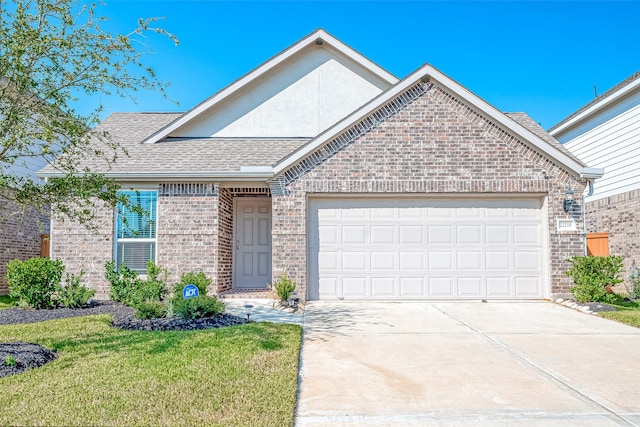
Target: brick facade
point(434, 145)
point(429, 143)
point(619, 216)
point(194, 233)
point(20, 236)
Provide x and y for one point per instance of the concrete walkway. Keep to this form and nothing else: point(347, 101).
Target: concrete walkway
point(263, 311)
point(457, 363)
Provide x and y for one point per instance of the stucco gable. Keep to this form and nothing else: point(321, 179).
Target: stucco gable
point(298, 93)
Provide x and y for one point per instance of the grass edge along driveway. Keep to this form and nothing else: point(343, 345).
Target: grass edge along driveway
point(242, 375)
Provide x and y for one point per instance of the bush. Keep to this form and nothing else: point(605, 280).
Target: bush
point(284, 286)
point(197, 307)
point(34, 281)
point(150, 310)
point(124, 282)
point(633, 286)
point(73, 294)
point(592, 275)
point(199, 279)
point(129, 289)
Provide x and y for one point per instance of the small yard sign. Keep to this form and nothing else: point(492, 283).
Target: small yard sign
point(190, 291)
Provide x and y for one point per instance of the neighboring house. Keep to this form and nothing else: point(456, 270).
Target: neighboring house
point(21, 231)
point(606, 133)
point(358, 185)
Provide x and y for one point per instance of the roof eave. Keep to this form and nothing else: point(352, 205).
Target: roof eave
point(595, 108)
point(261, 175)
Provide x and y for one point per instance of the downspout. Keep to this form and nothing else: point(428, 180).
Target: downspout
point(584, 214)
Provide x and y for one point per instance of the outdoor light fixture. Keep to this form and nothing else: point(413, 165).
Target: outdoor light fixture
point(247, 309)
point(567, 204)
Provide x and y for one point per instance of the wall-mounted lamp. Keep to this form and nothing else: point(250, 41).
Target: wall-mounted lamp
point(567, 204)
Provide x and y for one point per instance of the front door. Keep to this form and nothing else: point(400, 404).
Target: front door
point(252, 249)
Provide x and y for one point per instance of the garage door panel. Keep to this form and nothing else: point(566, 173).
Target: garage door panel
point(470, 287)
point(411, 234)
point(469, 261)
point(328, 234)
point(526, 234)
point(440, 287)
point(499, 287)
point(328, 287)
point(498, 260)
point(382, 234)
point(526, 260)
point(354, 260)
point(383, 261)
point(469, 234)
point(527, 286)
point(412, 287)
point(411, 260)
point(383, 287)
point(440, 235)
point(497, 234)
point(439, 248)
point(354, 286)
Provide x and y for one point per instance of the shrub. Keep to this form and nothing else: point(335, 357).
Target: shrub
point(73, 294)
point(633, 286)
point(123, 282)
point(150, 310)
point(284, 286)
point(34, 281)
point(199, 279)
point(592, 275)
point(129, 289)
point(198, 307)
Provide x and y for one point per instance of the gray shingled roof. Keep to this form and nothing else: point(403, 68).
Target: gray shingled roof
point(527, 122)
point(632, 78)
point(194, 155)
point(210, 155)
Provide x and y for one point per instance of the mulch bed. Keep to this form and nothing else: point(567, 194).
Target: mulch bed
point(27, 355)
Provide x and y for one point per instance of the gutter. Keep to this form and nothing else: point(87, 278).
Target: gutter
point(251, 173)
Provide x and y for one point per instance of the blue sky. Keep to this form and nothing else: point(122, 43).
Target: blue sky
point(541, 57)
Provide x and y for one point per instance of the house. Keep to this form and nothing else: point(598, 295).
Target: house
point(359, 185)
point(23, 232)
point(606, 133)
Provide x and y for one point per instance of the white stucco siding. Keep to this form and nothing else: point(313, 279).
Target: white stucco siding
point(300, 99)
point(610, 140)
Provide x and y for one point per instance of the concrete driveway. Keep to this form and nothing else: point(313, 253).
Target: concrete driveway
point(466, 363)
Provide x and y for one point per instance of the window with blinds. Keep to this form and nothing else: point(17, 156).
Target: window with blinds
point(136, 231)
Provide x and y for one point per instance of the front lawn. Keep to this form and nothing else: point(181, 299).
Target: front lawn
point(242, 375)
point(628, 312)
point(6, 302)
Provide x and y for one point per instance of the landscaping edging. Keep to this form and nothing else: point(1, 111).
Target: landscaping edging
point(588, 307)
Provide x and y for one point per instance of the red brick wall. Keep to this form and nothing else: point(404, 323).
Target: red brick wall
point(188, 229)
point(433, 145)
point(225, 241)
point(619, 216)
point(81, 249)
point(20, 236)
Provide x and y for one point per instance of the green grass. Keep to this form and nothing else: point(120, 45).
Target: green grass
point(238, 376)
point(628, 312)
point(6, 302)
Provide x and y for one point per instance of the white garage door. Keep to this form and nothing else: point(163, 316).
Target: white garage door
point(426, 248)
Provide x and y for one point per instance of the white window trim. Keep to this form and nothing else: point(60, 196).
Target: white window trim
point(141, 240)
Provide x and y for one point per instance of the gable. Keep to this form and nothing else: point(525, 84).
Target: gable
point(301, 98)
point(432, 142)
point(463, 104)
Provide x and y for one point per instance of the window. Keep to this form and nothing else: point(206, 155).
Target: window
point(135, 241)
